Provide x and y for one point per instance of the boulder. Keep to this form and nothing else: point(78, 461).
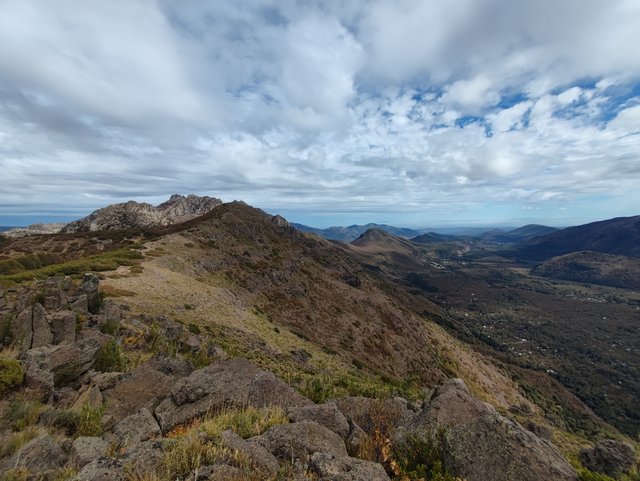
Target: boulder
point(328, 467)
point(357, 441)
point(90, 287)
point(53, 291)
point(87, 448)
point(70, 361)
point(610, 457)
point(171, 366)
point(300, 440)
point(49, 366)
point(42, 335)
point(102, 469)
point(261, 459)
point(480, 444)
point(144, 387)
point(63, 326)
point(136, 428)
point(232, 383)
point(39, 455)
point(327, 415)
point(145, 457)
point(111, 311)
point(21, 328)
point(80, 304)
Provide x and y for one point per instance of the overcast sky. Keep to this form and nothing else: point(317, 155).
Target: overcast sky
point(417, 113)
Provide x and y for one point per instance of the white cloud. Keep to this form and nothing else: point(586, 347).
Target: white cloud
point(378, 106)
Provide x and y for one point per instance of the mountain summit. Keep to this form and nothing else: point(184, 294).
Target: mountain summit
point(126, 215)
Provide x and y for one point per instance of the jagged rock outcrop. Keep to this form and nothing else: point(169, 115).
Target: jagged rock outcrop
point(132, 214)
point(50, 366)
point(480, 444)
point(126, 215)
point(608, 456)
point(233, 383)
point(180, 208)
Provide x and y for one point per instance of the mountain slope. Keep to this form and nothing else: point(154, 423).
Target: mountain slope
point(593, 268)
point(267, 288)
point(619, 236)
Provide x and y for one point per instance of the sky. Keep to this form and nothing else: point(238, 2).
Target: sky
point(407, 112)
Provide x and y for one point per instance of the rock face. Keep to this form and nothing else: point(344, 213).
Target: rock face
point(180, 208)
point(128, 215)
point(233, 383)
point(480, 444)
point(610, 457)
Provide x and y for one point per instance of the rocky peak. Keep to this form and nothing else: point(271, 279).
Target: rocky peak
point(125, 215)
point(180, 208)
point(134, 214)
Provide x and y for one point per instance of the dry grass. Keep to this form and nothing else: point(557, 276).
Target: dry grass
point(246, 422)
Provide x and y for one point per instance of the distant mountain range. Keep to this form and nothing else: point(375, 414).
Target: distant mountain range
point(426, 236)
point(352, 232)
point(619, 236)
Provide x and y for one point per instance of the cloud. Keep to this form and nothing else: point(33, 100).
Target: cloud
point(428, 107)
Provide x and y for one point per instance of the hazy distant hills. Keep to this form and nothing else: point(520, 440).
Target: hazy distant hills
point(619, 236)
point(517, 235)
point(426, 236)
point(352, 232)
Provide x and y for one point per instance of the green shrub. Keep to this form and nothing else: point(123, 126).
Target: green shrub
point(66, 419)
point(422, 457)
point(585, 475)
point(6, 334)
point(110, 358)
point(110, 327)
point(11, 374)
point(85, 421)
point(90, 420)
point(23, 413)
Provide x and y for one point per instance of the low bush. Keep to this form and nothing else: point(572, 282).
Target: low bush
point(22, 413)
point(110, 358)
point(11, 374)
point(422, 457)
